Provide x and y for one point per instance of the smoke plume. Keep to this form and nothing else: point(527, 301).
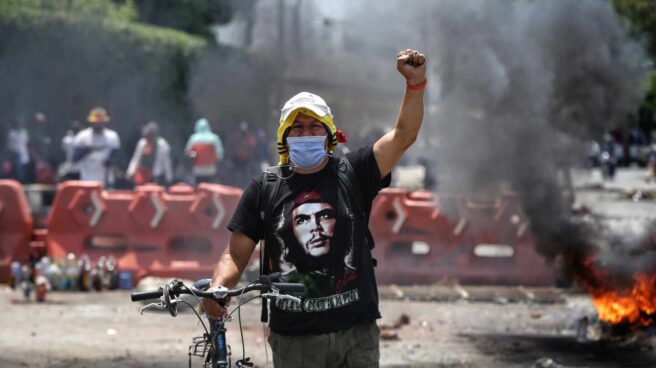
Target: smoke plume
point(522, 87)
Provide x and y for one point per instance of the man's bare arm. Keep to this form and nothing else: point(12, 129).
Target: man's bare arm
point(228, 270)
point(233, 261)
point(390, 147)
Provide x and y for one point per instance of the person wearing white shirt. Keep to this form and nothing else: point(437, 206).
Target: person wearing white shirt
point(17, 142)
point(96, 148)
point(151, 161)
point(68, 170)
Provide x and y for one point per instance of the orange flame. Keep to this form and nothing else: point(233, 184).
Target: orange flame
point(634, 306)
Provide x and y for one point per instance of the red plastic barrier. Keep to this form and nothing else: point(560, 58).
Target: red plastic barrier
point(15, 226)
point(179, 233)
point(422, 239)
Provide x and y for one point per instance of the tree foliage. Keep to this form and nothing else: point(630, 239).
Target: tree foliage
point(64, 57)
point(641, 15)
point(192, 16)
point(63, 60)
point(125, 11)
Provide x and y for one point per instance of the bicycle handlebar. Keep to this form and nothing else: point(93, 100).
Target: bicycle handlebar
point(218, 294)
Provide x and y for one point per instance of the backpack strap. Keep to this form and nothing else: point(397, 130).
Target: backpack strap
point(268, 193)
point(347, 180)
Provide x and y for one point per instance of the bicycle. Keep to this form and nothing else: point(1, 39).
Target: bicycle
point(212, 345)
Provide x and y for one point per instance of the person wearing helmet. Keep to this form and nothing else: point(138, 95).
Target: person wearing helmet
point(96, 148)
point(312, 213)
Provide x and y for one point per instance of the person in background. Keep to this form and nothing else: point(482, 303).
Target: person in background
point(205, 150)
point(636, 143)
point(151, 161)
point(263, 159)
point(245, 149)
point(44, 161)
point(17, 146)
point(651, 164)
point(96, 148)
point(609, 159)
point(40, 142)
point(69, 170)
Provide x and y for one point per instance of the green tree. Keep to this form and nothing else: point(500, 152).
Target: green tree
point(65, 57)
point(641, 15)
point(191, 16)
point(124, 11)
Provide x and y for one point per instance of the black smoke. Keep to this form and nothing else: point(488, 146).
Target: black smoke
point(522, 86)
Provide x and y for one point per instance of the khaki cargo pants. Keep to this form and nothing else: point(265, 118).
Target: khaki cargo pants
point(355, 347)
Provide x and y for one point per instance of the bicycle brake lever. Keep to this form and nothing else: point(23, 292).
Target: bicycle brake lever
point(267, 279)
point(159, 305)
point(244, 362)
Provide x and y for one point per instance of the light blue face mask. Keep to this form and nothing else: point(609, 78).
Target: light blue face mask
point(306, 152)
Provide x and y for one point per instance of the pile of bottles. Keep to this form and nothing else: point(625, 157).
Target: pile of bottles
point(69, 274)
point(27, 279)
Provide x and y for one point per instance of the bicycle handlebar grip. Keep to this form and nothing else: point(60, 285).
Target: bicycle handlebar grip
point(145, 295)
point(202, 284)
point(289, 287)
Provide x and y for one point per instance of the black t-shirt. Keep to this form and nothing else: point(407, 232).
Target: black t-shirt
point(314, 237)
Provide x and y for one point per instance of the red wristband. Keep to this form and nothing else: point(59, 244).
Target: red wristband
point(416, 87)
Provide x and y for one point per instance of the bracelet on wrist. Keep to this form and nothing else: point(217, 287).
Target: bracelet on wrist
point(416, 87)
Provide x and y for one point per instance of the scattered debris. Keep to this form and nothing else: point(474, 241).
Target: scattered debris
point(582, 330)
point(387, 330)
point(637, 195)
point(397, 291)
point(546, 363)
point(386, 334)
point(403, 319)
point(527, 293)
point(460, 290)
point(536, 315)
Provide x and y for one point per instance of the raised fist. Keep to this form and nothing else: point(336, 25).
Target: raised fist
point(412, 65)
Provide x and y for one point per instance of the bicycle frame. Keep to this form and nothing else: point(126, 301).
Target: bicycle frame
point(218, 354)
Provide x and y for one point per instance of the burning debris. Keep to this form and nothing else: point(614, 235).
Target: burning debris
point(617, 272)
point(624, 305)
point(634, 307)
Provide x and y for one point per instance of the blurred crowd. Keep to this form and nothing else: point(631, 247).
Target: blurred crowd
point(618, 149)
point(93, 151)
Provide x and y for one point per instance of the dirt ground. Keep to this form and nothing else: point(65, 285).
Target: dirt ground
point(450, 326)
point(460, 327)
